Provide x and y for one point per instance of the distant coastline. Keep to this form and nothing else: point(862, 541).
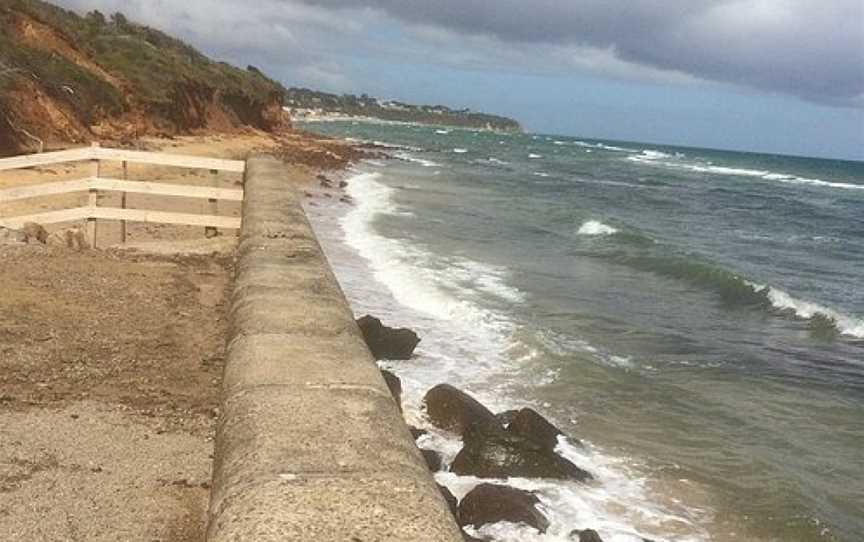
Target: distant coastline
point(299, 116)
point(306, 104)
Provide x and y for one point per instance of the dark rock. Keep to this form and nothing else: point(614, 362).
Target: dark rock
point(325, 182)
point(530, 424)
point(585, 535)
point(346, 199)
point(504, 418)
point(343, 184)
point(490, 503)
point(453, 410)
point(468, 538)
point(35, 233)
point(386, 342)
point(433, 459)
point(452, 502)
point(395, 385)
point(417, 433)
point(490, 452)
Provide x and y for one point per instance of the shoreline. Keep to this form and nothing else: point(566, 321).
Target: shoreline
point(428, 368)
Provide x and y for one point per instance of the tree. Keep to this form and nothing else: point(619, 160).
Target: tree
point(97, 18)
point(120, 21)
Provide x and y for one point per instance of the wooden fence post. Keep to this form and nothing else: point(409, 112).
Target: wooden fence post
point(211, 231)
point(92, 201)
point(123, 204)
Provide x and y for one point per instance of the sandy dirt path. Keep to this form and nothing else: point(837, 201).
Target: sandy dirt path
point(111, 361)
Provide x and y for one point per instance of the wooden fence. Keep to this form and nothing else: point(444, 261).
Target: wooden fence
point(95, 183)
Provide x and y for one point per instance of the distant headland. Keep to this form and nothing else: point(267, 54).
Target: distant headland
point(304, 103)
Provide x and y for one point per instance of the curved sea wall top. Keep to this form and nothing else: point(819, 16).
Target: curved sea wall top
point(310, 444)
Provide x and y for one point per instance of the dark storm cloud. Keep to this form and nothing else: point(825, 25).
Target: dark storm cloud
point(813, 49)
point(809, 48)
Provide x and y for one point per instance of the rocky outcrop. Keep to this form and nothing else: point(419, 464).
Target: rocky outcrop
point(504, 418)
point(491, 452)
point(394, 384)
point(586, 535)
point(386, 342)
point(454, 410)
point(490, 503)
point(529, 424)
point(433, 459)
point(417, 432)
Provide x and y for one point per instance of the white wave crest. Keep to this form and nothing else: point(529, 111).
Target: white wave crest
point(409, 158)
point(595, 227)
point(656, 158)
point(464, 343)
point(460, 151)
point(533, 155)
point(806, 310)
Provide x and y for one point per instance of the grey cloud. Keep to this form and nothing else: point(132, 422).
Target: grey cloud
point(813, 49)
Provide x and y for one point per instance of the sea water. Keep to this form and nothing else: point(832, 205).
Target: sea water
point(695, 317)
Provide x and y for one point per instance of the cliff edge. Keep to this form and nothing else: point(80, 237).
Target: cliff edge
point(66, 78)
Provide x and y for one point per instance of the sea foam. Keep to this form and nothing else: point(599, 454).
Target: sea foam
point(594, 227)
point(657, 158)
point(468, 345)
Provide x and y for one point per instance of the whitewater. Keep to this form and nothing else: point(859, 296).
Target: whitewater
point(699, 332)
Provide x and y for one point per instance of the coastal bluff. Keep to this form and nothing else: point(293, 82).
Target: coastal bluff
point(310, 444)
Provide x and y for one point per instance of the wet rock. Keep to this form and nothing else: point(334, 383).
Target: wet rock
point(433, 459)
point(386, 342)
point(468, 538)
point(343, 184)
point(35, 233)
point(346, 199)
point(504, 418)
point(324, 181)
point(417, 433)
point(585, 535)
point(73, 238)
point(532, 425)
point(451, 500)
point(395, 386)
point(490, 503)
point(454, 410)
point(490, 452)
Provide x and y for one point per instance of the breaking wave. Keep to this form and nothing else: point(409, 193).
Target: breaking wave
point(657, 158)
point(736, 290)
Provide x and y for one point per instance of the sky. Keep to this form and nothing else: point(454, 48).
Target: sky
point(783, 76)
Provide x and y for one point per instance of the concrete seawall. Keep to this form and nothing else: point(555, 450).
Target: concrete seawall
point(310, 445)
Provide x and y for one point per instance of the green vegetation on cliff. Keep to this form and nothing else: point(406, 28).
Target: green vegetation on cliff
point(366, 106)
point(92, 69)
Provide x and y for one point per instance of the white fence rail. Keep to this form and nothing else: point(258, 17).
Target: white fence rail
point(95, 183)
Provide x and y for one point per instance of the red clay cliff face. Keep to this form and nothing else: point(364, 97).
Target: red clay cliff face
point(32, 109)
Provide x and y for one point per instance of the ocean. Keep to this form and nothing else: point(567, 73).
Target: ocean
point(694, 316)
